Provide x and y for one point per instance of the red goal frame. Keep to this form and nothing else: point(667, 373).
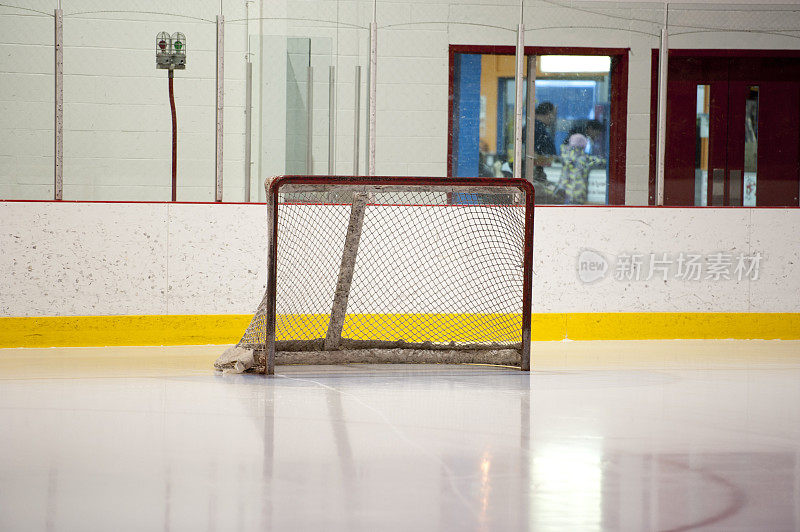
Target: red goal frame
point(273, 186)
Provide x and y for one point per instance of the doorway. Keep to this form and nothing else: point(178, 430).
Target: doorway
point(733, 128)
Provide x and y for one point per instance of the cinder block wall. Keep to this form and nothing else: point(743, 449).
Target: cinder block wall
point(117, 120)
point(117, 125)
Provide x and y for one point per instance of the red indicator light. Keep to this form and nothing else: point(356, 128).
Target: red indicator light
point(162, 44)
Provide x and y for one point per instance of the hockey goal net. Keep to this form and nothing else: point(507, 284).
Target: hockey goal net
point(393, 269)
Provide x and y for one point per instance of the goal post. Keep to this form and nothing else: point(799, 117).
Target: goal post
point(393, 269)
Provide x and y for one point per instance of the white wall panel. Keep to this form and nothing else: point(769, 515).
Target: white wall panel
point(217, 258)
point(76, 259)
point(776, 234)
point(111, 258)
point(617, 233)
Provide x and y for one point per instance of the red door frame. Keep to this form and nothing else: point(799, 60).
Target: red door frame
point(618, 116)
point(698, 53)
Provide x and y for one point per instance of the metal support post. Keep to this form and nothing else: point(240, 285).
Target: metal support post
point(518, 104)
point(373, 92)
point(58, 155)
point(530, 120)
point(663, 59)
point(356, 119)
point(310, 122)
point(332, 120)
point(220, 104)
point(248, 128)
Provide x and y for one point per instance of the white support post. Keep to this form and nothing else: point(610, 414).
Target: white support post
point(368, 114)
point(519, 80)
point(260, 125)
point(530, 106)
point(356, 119)
point(248, 107)
point(248, 128)
point(220, 104)
point(310, 122)
point(663, 59)
point(373, 91)
point(332, 120)
point(58, 155)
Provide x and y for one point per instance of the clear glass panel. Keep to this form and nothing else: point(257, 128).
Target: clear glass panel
point(702, 144)
point(484, 126)
point(578, 126)
point(298, 63)
point(117, 112)
point(26, 99)
point(572, 98)
point(117, 117)
point(292, 135)
point(750, 147)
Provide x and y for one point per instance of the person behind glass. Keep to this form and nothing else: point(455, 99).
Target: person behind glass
point(543, 143)
point(595, 131)
point(573, 186)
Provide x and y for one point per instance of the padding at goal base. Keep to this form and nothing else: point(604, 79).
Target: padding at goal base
point(240, 360)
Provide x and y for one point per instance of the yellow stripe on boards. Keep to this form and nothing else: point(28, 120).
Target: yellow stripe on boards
point(682, 325)
point(90, 331)
point(545, 327)
point(93, 331)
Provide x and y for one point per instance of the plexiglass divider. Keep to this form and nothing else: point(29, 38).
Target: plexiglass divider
point(445, 94)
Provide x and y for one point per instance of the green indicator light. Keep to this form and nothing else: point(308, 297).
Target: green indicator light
point(178, 45)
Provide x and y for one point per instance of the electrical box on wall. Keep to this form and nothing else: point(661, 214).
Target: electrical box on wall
point(171, 51)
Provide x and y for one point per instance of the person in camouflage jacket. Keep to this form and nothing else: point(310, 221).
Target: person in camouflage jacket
point(572, 188)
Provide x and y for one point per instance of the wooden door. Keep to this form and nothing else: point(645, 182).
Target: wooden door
point(733, 131)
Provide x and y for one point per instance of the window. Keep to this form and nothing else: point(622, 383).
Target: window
point(578, 152)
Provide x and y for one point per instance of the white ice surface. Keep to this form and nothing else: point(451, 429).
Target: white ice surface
point(698, 435)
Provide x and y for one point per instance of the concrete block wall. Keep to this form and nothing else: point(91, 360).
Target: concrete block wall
point(26, 102)
point(117, 123)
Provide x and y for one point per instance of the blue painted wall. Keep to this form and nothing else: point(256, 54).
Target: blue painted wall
point(468, 85)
